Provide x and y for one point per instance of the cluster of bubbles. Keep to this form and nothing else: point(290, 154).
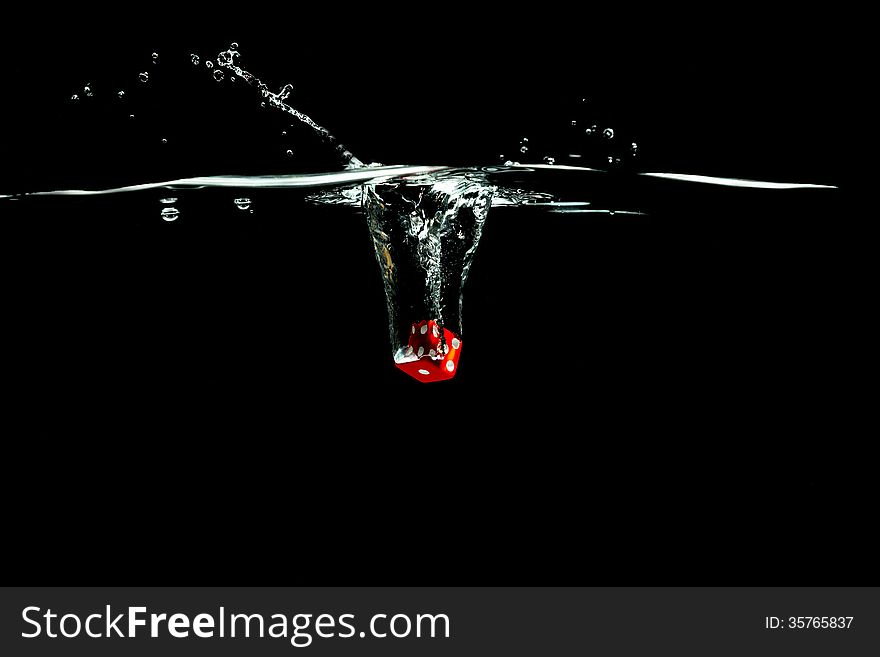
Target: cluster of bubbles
point(168, 212)
point(606, 142)
point(86, 92)
point(578, 141)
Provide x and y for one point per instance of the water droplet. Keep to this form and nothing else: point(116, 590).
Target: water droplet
point(169, 214)
point(635, 148)
point(209, 63)
point(289, 153)
point(233, 45)
point(243, 203)
point(550, 160)
point(144, 76)
point(610, 160)
point(574, 123)
point(168, 200)
point(155, 57)
point(87, 90)
point(284, 133)
point(218, 75)
point(525, 140)
point(195, 59)
point(523, 149)
point(120, 94)
point(164, 141)
point(131, 116)
point(591, 131)
point(608, 133)
point(74, 97)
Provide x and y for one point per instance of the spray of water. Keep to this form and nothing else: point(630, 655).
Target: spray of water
point(229, 60)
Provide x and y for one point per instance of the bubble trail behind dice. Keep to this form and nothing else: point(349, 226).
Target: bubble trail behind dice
point(425, 232)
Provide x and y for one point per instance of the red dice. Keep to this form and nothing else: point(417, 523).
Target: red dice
point(429, 355)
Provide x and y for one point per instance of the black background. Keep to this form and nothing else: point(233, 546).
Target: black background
point(664, 399)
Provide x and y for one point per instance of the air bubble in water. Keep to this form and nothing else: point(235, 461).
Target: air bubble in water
point(284, 133)
point(523, 149)
point(74, 97)
point(87, 90)
point(164, 141)
point(232, 78)
point(550, 160)
point(233, 45)
point(169, 214)
point(635, 148)
point(243, 203)
point(209, 63)
point(218, 75)
point(168, 200)
point(155, 57)
point(195, 59)
point(289, 153)
point(608, 133)
point(131, 116)
point(574, 123)
point(144, 76)
point(285, 91)
point(590, 131)
point(120, 94)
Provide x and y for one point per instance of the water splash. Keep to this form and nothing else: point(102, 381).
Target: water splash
point(425, 222)
point(425, 231)
point(228, 59)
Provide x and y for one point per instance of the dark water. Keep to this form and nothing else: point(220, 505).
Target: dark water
point(685, 372)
